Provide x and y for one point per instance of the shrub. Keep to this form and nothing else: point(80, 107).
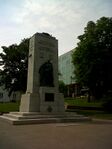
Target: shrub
point(108, 104)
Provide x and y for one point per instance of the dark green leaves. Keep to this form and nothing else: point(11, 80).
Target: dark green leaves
point(93, 56)
point(14, 61)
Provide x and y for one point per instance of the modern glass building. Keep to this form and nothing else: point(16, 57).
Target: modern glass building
point(66, 74)
point(66, 68)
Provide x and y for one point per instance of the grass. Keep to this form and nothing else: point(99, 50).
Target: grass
point(8, 107)
point(82, 102)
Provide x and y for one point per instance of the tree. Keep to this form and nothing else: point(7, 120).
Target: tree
point(92, 57)
point(14, 62)
point(62, 88)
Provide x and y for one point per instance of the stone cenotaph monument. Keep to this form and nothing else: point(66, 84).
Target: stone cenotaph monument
point(42, 102)
point(42, 93)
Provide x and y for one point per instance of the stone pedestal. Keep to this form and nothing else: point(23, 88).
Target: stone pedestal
point(44, 102)
point(30, 103)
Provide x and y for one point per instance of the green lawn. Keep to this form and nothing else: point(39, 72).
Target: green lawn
point(8, 107)
point(82, 102)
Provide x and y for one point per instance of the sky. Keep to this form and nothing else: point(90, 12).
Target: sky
point(63, 19)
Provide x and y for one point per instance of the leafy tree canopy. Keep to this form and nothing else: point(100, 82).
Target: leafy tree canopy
point(92, 57)
point(14, 61)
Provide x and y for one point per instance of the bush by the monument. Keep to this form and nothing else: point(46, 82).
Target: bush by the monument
point(63, 88)
point(108, 104)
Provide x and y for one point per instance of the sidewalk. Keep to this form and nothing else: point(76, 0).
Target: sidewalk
point(94, 135)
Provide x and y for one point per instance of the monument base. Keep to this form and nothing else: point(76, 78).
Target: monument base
point(47, 100)
point(23, 118)
point(30, 103)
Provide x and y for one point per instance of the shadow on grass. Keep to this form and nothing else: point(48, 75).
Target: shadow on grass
point(93, 113)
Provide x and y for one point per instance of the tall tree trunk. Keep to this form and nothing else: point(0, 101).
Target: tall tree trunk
point(89, 96)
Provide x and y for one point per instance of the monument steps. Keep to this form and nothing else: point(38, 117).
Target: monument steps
point(35, 116)
point(17, 118)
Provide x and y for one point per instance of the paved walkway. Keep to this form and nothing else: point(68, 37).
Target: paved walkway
point(95, 135)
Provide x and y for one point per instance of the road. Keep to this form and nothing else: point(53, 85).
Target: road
point(94, 135)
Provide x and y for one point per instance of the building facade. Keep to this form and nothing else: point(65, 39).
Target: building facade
point(66, 74)
point(66, 68)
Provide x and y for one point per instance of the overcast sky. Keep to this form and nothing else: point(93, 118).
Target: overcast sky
point(64, 19)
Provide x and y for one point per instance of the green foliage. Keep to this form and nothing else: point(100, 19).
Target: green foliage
point(92, 57)
point(62, 88)
point(14, 61)
point(108, 103)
